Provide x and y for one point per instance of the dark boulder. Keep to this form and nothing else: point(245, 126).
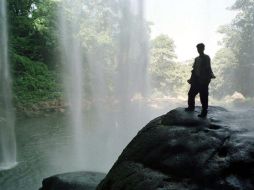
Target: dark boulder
point(73, 181)
point(180, 151)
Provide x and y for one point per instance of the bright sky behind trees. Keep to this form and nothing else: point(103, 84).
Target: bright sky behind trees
point(189, 22)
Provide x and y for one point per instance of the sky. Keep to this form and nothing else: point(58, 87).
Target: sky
point(189, 22)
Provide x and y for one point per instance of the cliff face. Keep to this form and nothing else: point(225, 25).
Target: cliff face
point(179, 151)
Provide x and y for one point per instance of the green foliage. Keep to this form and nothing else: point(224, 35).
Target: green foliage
point(96, 33)
point(34, 39)
point(239, 39)
point(33, 44)
point(180, 74)
point(34, 28)
point(33, 82)
point(44, 23)
point(224, 66)
point(167, 75)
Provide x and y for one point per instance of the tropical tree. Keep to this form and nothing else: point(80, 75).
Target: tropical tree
point(162, 63)
point(239, 39)
point(224, 65)
point(32, 47)
point(103, 37)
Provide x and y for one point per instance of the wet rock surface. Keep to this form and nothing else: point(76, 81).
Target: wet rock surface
point(180, 151)
point(73, 181)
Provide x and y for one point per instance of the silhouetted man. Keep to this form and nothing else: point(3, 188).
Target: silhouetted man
point(200, 78)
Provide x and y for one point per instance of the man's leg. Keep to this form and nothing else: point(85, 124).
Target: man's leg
point(204, 99)
point(191, 97)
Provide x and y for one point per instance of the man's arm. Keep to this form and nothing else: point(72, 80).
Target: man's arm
point(209, 68)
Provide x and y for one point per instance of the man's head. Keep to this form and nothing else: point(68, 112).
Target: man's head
point(200, 48)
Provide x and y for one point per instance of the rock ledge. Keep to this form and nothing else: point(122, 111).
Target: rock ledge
point(73, 181)
point(179, 151)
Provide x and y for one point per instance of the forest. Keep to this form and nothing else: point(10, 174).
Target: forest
point(34, 51)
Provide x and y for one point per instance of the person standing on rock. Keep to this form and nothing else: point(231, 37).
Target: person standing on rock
point(201, 76)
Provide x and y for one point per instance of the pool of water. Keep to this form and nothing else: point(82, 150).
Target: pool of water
point(45, 145)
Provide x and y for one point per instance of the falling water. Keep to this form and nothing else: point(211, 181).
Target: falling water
point(131, 79)
point(102, 132)
point(7, 118)
point(133, 52)
point(72, 73)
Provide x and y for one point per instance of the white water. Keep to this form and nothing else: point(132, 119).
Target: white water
point(132, 54)
point(72, 74)
point(7, 118)
point(101, 133)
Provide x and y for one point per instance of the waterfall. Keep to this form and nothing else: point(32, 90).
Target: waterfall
point(100, 101)
point(7, 116)
point(133, 52)
point(72, 60)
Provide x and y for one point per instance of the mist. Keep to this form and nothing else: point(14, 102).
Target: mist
point(7, 117)
point(87, 76)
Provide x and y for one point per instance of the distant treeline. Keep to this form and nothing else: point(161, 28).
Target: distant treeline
point(34, 50)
